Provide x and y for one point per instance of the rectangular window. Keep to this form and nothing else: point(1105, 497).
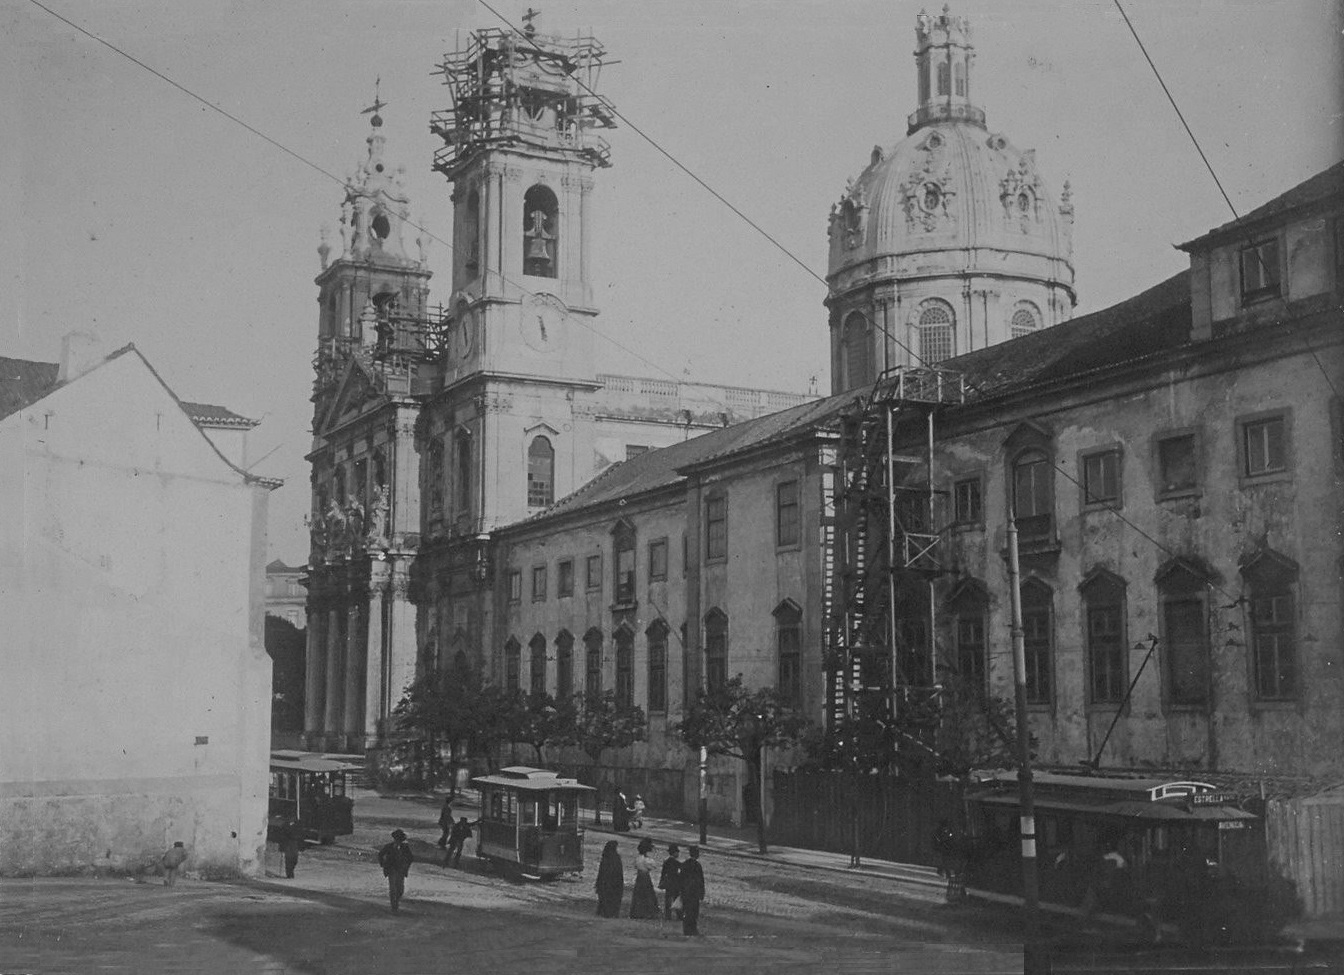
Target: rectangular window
point(790, 637)
point(1106, 653)
point(1275, 646)
point(592, 678)
point(1033, 495)
point(716, 529)
point(594, 572)
point(1187, 644)
point(625, 668)
point(787, 528)
point(1177, 469)
point(1101, 478)
point(515, 585)
point(564, 583)
point(967, 504)
point(1259, 271)
point(970, 638)
point(658, 560)
point(658, 670)
point(1036, 644)
point(625, 572)
point(1263, 443)
point(538, 583)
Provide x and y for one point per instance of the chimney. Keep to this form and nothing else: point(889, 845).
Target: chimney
point(80, 352)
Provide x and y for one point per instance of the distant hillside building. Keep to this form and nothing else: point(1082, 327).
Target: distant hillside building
point(135, 706)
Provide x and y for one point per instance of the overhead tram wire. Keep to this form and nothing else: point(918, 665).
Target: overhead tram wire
point(1236, 217)
point(336, 179)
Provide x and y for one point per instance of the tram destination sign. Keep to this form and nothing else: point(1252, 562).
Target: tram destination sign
point(1212, 798)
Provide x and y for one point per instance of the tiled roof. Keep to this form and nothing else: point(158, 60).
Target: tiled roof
point(23, 382)
point(1326, 185)
point(216, 416)
point(1151, 322)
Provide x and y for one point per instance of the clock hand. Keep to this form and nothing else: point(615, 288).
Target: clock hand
point(541, 324)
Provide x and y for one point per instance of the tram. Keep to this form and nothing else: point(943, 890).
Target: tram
point(310, 790)
point(530, 820)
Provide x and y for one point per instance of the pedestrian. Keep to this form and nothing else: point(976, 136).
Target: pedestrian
point(669, 881)
point(445, 821)
point(644, 899)
point(396, 858)
point(692, 892)
point(610, 882)
point(620, 813)
point(458, 839)
point(172, 862)
point(291, 842)
point(944, 838)
point(637, 813)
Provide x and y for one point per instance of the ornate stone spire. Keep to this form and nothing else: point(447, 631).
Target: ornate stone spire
point(943, 58)
point(376, 207)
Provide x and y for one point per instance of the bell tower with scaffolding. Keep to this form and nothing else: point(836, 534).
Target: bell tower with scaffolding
point(520, 149)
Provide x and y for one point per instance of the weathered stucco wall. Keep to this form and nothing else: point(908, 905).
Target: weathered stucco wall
point(135, 708)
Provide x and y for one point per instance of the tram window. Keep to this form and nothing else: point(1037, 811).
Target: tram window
point(497, 805)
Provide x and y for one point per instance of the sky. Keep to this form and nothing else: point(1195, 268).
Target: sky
point(139, 211)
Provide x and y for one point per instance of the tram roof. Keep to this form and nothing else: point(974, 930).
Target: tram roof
point(527, 779)
point(306, 762)
point(1156, 799)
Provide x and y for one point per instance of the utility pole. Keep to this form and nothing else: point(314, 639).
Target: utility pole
point(1035, 961)
point(704, 794)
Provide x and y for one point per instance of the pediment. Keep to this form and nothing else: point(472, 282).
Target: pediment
point(356, 396)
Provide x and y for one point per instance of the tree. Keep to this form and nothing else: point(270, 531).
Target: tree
point(602, 722)
point(733, 721)
point(454, 708)
point(541, 721)
point(286, 644)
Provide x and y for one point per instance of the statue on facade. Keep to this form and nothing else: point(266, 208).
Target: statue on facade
point(336, 528)
point(376, 536)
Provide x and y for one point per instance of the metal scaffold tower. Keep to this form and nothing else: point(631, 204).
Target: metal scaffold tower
point(882, 552)
point(535, 89)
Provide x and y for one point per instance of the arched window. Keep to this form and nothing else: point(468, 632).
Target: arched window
point(1272, 579)
point(789, 650)
point(338, 486)
point(460, 665)
point(924, 82)
point(564, 665)
point(625, 667)
point(1025, 320)
point(1182, 592)
point(536, 664)
point(656, 636)
point(541, 230)
point(959, 78)
point(465, 473)
point(434, 471)
point(944, 78)
point(935, 334)
point(1033, 494)
point(716, 650)
point(1038, 640)
point(592, 652)
point(857, 351)
point(512, 664)
point(968, 606)
point(540, 473)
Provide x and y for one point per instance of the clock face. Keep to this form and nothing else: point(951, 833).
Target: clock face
point(543, 323)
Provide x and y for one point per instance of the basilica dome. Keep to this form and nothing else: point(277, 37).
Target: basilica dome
point(949, 240)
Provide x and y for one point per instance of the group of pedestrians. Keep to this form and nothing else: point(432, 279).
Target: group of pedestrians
point(678, 880)
point(454, 835)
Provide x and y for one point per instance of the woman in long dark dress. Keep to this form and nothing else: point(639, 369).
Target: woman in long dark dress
point(610, 882)
point(644, 900)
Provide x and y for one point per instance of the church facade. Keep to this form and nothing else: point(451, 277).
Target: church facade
point(1174, 462)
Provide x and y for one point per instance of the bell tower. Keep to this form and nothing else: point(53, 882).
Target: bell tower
point(520, 148)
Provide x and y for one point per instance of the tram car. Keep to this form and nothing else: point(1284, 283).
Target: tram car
point(530, 822)
point(310, 790)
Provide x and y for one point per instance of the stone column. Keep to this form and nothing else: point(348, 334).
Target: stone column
point(401, 648)
point(376, 706)
point(356, 662)
point(335, 653)
point(314, 673)
point(586, 184)
point(492, 224)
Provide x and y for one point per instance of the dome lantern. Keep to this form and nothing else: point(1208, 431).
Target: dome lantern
point(943, 57)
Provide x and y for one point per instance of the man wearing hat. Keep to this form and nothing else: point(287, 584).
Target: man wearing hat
point(396, 858)
point(692, 892)
point(669, 881)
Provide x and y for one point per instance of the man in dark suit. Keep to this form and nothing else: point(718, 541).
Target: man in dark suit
point(396, 858)
point(692, 892)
